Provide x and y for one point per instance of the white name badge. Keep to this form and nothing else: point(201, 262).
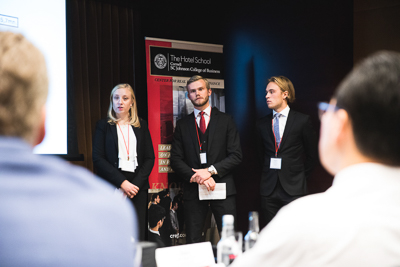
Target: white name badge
point(276, 163)
point(203, 158)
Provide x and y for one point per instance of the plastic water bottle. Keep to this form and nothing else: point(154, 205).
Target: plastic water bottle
point(252, 235)
point(227, 248)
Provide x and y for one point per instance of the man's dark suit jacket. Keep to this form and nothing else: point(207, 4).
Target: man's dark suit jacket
point(298, 151)
point(223, 151)
point(156, 239)
point(105, 154)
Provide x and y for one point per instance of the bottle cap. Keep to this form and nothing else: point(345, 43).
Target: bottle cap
point(253, 215)
point(227, 219)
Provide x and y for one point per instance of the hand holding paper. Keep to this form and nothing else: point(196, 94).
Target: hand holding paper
point(210, 184)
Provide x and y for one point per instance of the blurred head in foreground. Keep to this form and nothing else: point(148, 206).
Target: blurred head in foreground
point(23, 88)
point(362, 122)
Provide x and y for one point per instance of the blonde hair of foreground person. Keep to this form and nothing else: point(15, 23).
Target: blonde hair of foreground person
point(23, 88)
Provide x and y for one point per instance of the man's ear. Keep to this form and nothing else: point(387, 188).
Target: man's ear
point(285, 95)
point(42, 127)
point(343, 132)
point(344, 124)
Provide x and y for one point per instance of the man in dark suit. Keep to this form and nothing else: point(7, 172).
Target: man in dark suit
point(205, 149)
point(156, 221)
point(174, 222)
point(287, 146)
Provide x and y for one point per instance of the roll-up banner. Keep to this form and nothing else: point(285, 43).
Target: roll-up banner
point(170, 64)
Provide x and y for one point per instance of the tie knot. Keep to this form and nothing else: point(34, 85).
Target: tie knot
point(202, 113)
point(278, 115)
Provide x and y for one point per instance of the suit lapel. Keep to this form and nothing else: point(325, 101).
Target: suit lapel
point(269, 131)
point(212, 126)
point(114, 133)
point(191, 126)
point(138, 137)
point(289, 123)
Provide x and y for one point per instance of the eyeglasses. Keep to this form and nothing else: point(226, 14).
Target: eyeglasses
point(324, 106)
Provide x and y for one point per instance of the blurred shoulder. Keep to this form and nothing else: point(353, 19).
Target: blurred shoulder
point(143, 123)
point(102, 123)
point(298, 115)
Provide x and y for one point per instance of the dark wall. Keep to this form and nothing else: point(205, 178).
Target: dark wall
point(309, 41)
point(376, 27)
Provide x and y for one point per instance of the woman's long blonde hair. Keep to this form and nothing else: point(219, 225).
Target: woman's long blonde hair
point(133, 114)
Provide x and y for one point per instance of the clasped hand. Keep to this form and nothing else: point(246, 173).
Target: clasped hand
point(203, 177)
point(129, 189)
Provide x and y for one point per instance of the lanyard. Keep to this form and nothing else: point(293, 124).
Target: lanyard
point(127, 150)
point(276, 147)
point(197, 131)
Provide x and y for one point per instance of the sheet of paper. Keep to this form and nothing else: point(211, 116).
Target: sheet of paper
point(191, 255)
point(218, 193)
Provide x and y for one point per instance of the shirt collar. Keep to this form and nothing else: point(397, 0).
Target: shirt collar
point(362, 172)
point(284, 112)
point(207, 111)
point(13, 144)
point(154, 232)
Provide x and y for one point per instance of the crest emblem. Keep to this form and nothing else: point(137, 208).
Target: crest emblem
point(160, 61)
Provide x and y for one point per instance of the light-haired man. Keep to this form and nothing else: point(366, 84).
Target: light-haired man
point(205, 150)
point(287, 148)
point(356, 222)
point(51, 213)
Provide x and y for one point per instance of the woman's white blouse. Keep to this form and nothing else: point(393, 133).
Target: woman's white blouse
point(125, 164)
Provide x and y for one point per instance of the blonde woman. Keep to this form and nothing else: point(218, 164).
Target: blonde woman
point(123, 152)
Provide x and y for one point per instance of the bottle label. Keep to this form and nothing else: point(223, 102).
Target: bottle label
point(231, 258)
point(227, 259)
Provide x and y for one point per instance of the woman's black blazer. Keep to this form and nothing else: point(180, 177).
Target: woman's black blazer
point(105, 154)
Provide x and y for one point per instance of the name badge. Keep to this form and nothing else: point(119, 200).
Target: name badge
point(203, 158)
point(276, 163)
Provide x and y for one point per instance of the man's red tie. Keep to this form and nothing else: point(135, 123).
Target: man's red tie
point(202, 122)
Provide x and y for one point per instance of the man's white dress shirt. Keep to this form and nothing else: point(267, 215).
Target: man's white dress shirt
point(356, 222)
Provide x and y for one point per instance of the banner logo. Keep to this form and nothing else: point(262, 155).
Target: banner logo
point(160, 61)
point(176, 62)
